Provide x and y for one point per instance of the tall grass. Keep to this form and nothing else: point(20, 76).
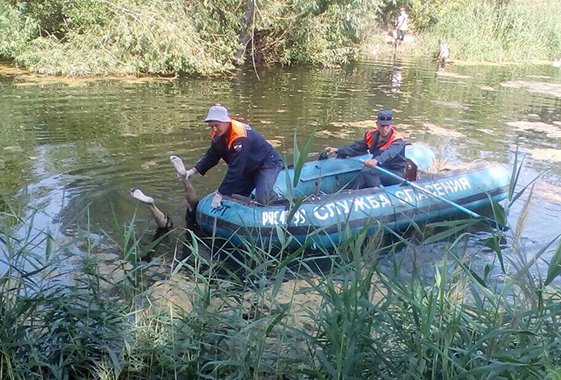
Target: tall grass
point(488, 30)
point(271, 313)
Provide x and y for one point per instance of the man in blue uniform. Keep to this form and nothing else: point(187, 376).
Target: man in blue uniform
point(252, 162)
point(387, 147)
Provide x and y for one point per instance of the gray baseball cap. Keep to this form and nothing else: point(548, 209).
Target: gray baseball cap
point(218, 113)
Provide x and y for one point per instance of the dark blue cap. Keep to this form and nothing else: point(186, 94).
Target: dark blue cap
point(385, 117)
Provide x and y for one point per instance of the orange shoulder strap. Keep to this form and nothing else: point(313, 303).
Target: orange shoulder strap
point(237, 130)
point(368, 136)
point(395, 135)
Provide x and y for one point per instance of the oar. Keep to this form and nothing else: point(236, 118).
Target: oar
point(490, 222)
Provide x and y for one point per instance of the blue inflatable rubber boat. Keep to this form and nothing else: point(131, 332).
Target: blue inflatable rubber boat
point(329, 212)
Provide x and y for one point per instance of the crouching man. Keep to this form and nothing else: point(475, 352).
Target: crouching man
point(252, 162)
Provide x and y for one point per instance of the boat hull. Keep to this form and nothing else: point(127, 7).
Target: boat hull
point(326, 220)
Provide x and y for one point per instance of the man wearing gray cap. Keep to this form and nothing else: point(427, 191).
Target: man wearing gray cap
point(252, 162)
point(387, 147)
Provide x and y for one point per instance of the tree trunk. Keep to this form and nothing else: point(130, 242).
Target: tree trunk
point(246, 34)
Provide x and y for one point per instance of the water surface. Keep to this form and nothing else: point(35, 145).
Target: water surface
point(68, 144)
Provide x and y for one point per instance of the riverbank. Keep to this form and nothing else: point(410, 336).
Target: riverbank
point(126, 37)
point(24, 77)
point(171, 38)
point(424, 46)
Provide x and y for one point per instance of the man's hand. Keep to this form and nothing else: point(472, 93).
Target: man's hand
point(217, 200)
point(190, 173)
point(370, 163)
point(329, 150)
point(182, 173)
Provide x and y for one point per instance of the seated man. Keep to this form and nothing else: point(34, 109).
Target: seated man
point(252, 162)
point(387, 147)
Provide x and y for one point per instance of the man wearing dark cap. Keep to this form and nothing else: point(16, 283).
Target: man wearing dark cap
point(387, 147)
point(252, 162)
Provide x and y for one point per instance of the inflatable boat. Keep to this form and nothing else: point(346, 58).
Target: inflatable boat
point(322, 209)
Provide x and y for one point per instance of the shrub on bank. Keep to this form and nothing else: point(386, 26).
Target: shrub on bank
point(15, 30)
point(176, 37)
point(121, 37)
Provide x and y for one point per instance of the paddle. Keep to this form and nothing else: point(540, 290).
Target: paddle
point(490, 222)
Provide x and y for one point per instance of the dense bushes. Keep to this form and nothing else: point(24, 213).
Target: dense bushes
point(176, 37)
point(15, 31)
point(126, 36)
point(318, 31)
point(71, 37)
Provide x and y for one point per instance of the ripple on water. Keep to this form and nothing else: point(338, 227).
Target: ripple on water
point(449, 74)
point(108, 136)
point(545, 154)
point(454, 104)
point(550, 130)
point(441, 131)
point(552, 89)
point(551, 193)
point(357, 124)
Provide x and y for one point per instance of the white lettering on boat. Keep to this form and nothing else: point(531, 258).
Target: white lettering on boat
point(274, 218)
point(340, 209)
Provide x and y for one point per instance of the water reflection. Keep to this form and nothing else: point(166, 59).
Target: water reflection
point(64, 146)
point(397, 75)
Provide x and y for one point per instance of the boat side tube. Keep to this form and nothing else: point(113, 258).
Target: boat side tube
point(326, 220)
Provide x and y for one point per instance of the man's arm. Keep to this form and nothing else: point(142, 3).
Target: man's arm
point(392, 151)
point(356, 149)
point(236, 166)
point(210, 159)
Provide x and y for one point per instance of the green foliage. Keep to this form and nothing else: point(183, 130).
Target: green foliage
point(123, 37)
point(317, 31)
point(70, 37)
point(495, 31)
point(427, 13)
point(15, 30)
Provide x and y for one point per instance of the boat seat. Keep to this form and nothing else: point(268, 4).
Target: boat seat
point(410, 170)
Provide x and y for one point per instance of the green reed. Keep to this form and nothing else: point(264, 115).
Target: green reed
point(488, 30)
point(264, 313)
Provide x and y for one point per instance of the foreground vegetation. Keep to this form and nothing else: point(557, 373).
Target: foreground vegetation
point(273, 315)
point(61, 37)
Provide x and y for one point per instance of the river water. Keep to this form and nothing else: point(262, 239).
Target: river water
point(67, 144)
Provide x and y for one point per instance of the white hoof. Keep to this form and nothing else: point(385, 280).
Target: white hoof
point(179, 166)
point(139, 195)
